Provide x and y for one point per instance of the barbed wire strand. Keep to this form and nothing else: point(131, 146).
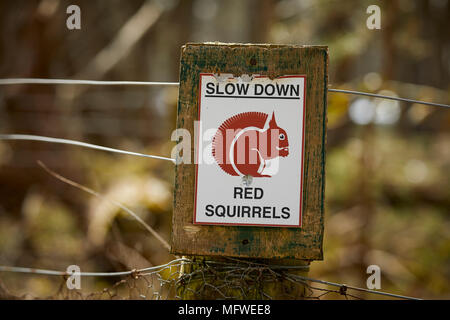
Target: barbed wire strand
point(111, 201)
point(295, 278)
point(91, 274)
point(344, 286)
point(171, 281)
point(13, 81)
point(29, 137)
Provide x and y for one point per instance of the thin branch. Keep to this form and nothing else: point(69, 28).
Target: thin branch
point(118, 204)
point(125, 39)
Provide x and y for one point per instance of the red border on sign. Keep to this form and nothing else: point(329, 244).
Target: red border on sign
point(301, 170)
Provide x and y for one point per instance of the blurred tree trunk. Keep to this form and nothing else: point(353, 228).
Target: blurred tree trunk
point(387, 27)
point(261, 19)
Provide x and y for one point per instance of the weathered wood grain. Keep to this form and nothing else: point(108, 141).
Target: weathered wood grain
point(254, 242)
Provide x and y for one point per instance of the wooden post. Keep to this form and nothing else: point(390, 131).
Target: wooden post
point(213, 245)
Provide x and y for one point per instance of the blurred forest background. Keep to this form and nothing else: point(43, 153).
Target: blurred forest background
point(388, 163)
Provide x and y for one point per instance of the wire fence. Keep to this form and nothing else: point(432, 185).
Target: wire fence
point(195, 278)
point(12, 81)
point(207, 279)
point(188, 278)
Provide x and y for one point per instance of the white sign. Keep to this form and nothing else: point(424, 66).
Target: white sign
point(251, 169)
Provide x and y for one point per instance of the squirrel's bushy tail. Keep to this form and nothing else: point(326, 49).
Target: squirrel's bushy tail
point(226, 133)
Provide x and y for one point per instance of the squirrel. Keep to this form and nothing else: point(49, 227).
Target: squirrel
point(250, 144)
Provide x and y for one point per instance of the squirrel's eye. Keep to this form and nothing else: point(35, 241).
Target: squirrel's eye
point(282, 137)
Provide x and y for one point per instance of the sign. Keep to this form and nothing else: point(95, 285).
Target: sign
point(251, 121)
point(255, 152)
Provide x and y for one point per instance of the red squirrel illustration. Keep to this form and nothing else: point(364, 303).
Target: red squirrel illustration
point(250, 144)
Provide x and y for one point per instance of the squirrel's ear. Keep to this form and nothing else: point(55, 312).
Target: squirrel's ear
point(273, 122)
